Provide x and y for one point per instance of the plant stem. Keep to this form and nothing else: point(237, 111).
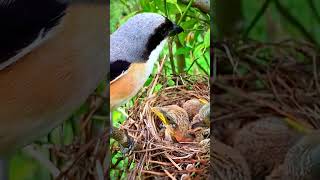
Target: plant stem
point(257, 17)
point(294, 22)
point(171, 57)
point(185, 12)
point(181, 61)
point(166, 9)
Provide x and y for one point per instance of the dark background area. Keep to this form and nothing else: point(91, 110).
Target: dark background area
point(266, 91)
point(268, 20)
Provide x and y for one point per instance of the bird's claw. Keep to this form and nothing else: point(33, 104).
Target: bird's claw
point(126, 142)
point(128, 147)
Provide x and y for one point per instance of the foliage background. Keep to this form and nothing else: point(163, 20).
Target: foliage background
point(300, 10)
point(274, 24)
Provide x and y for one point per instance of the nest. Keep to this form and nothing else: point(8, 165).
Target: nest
point(259, 80)
point(153, 156)
point(78, 149)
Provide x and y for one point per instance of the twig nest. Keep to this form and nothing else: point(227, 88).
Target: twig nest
point(302, 161)
point(190, 167)
point(227, 163)
point(192, 107)
point(158, 158)
point(264, 144)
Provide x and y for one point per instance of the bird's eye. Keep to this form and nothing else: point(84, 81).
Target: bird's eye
point(164, 32)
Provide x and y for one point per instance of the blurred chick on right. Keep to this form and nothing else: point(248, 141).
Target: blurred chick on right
point(200, 124)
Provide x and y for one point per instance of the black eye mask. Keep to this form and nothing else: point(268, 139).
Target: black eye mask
point(164, 30)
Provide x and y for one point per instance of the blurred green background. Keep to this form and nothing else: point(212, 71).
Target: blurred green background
point(300, 11)
point(279, 19)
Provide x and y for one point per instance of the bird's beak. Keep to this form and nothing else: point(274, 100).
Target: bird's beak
point(160, 115)
point(203, 101)
point(175, 30)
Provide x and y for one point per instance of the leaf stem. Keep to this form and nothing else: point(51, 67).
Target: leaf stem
point(185, 12)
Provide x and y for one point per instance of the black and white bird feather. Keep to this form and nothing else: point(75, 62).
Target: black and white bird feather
point(31, 23)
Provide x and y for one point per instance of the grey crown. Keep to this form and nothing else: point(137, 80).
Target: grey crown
point(129, 41)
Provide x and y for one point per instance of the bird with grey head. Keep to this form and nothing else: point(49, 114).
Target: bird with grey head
point(134, 49)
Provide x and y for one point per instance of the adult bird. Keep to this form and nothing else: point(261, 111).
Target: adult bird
point(134, 49)
point(52, 57)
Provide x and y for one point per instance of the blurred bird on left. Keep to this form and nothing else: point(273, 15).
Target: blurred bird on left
point(52, 57)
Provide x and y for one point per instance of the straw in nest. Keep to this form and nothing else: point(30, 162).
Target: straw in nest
point(153, 156)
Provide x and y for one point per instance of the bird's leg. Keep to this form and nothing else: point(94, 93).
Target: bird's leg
point(122, 137)
point(4, 168)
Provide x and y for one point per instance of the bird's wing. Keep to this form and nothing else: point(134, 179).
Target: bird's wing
point(118, 68)
point(24, 25)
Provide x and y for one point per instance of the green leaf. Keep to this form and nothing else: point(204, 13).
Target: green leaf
point(158, 87)
point(173, 9)
point(189, 24)
point(159, 4)
point(198, 50)
point(185, 51)
point(125, 19)
point(182, 37)
point(147, 5)
point(172, 1)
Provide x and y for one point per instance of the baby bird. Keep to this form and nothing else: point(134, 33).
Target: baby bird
point(203, 117)
point(303, 159)
point(192, 107)
point(176, 121)
point(227, 163)
point(200, 123)
point(264, 144)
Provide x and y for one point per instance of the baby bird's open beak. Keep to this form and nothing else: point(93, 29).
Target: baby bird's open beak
point(175, 30)
point(168, 123)
point(160, 115)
